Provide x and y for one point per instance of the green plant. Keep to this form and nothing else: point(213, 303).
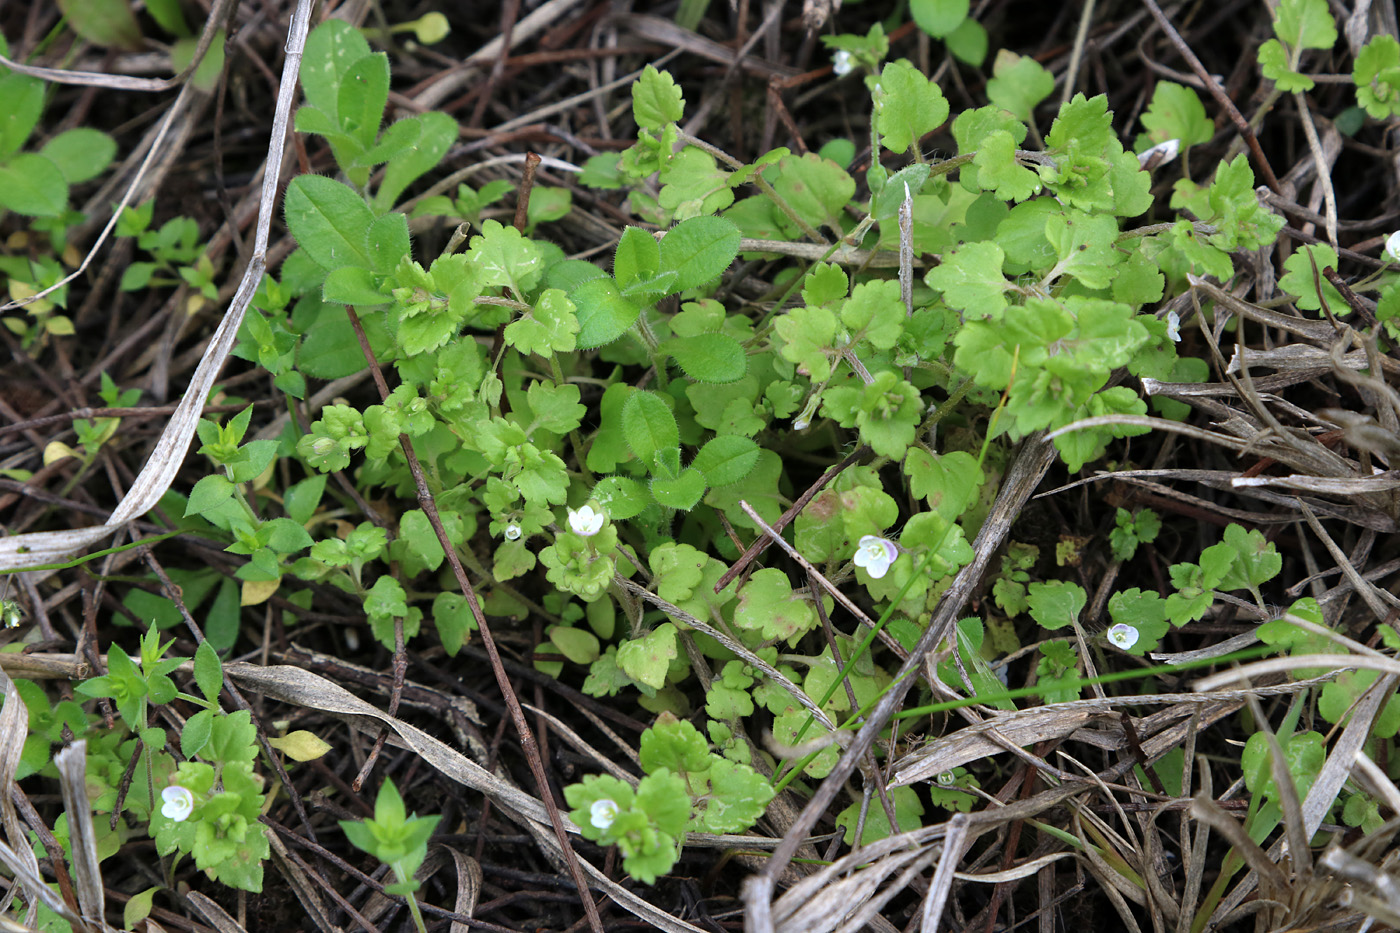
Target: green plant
point(396, 839)
point(687, 787)
point(589, 435)
point(209, 803)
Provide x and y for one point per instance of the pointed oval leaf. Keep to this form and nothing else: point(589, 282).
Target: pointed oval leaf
point(727, 459)
point(648, 425)
point(709, 357)
point(603, 313)
point(329, 220)
point(698, 250)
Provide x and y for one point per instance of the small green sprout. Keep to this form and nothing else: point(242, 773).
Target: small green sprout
point(396, 839)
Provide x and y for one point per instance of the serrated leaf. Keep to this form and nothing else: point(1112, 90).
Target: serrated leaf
point(767, 605)
point(1018, 84)
point(971, 279)
point(816, 189)
point(647, 659)
point(907, 105)
point(1304, 274)
point(1306, 24)
point(1176, 112)
point(1056, 604)
point(1273, 62)
point(656, 99)
point(998, 170)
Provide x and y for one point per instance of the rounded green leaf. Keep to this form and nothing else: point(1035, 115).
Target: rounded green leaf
point(727, 459)
point(648, 425)
point(621, 497)
point(33, 185)
point(682, 492)
point(576, 644)
point(698, 250)
point(938, 17)
point(603, 313)
point(80, 154)
point(709, 357)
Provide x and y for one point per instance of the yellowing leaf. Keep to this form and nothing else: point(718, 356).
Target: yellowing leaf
point(256, 592)
point(301, 745)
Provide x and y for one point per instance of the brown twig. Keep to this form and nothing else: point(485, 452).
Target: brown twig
point(1216, 91)
point(527, 184)
point(761, 543)
point(517, 714)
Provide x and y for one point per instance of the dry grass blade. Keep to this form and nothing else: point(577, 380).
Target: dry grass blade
point(849, 897)
point(303, 688)
point(1024, 870)
point(301, 885)
point(469, 881)
point(884, 857)
point(87, 873)
point(975, 741)
point(14, 728)
point(216, 915)
point(1024, 474)
point(1384, 904)
point(125, 82)
point(21, 552)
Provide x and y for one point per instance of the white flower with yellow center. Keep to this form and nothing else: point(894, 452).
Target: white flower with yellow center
point(602, 813)
point(586, 521)
point(875, 555)
point(1124, 636)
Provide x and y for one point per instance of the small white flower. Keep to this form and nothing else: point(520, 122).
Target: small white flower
point(1392, 247)
point(842, 63)
point(947, 778)
point(585, 521)
point(801, 425)
point(1122, 635)
point(602, 813)
point(179, 803)
point(513, 532)
point(875, 555)
point(1174, 326)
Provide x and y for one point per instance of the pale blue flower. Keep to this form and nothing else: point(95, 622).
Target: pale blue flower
point(1123, 635)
